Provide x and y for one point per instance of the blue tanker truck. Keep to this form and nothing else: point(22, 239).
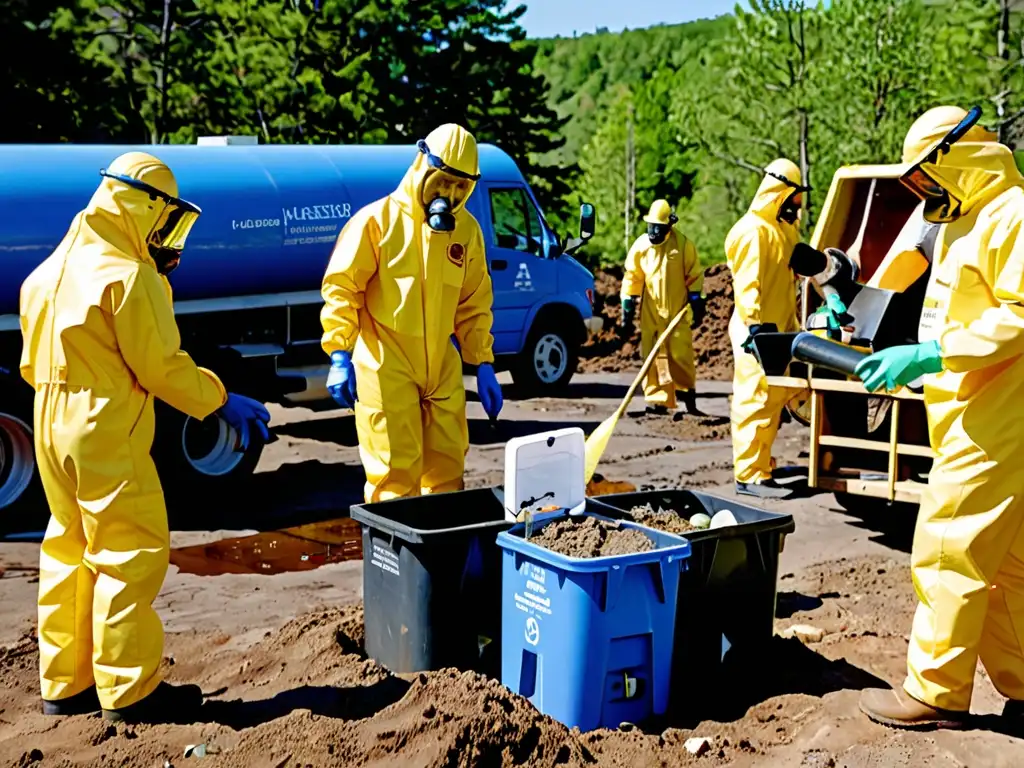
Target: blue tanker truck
point(247, 293)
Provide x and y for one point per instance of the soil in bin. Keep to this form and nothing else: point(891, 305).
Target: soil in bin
point(590, 537)
point(663, 520)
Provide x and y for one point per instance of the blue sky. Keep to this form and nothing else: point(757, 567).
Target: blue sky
point(546, 18)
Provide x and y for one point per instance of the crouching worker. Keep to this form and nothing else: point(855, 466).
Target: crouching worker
point(100, 343)
point(408, 271)
point(663, 268)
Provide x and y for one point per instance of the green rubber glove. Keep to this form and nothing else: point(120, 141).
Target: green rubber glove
point(898, 366)
point(833, 309)
point(628, 310)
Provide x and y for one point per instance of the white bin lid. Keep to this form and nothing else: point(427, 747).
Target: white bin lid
point(545, 470)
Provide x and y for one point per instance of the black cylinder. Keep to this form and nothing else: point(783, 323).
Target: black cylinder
point(808, 348)
point(807, 261)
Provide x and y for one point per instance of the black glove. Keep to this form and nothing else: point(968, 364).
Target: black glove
point(699, 309)
point(628, 310)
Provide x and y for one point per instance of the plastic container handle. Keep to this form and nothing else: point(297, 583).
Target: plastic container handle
point(809, 348)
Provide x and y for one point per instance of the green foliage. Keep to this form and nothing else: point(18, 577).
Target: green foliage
point(710, 102)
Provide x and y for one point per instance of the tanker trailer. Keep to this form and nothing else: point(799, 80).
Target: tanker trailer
point(247, 292)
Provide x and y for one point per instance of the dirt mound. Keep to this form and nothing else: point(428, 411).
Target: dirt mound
point(681, 426)
point(306, 695)
point(589, 537)
point(611, 350)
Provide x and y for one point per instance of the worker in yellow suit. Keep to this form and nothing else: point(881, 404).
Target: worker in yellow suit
point(99, 344)
point(757, 250)
point(407, 272)
point(663, 268)
point(968, 553)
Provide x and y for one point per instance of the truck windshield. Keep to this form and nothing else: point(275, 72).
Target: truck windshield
point(515, 222)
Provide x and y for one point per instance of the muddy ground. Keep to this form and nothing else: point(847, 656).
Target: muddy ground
point(279, 651)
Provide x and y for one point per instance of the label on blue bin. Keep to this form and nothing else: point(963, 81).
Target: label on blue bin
point(532, 600)
point(385, 559)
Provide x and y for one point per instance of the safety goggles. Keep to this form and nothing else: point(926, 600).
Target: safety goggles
point(917, 179)
point(175, 220)
point(436, 162)
point(796, 187)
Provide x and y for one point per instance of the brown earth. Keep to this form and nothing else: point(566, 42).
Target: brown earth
point(588, 537)
point(280, 656)
point(611, 350)
point(663, 519)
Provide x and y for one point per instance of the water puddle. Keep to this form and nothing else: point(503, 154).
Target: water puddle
point(302, 548)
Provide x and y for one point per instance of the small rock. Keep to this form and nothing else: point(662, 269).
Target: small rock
point(626, 727)
point(697, 746)
point(805, 633)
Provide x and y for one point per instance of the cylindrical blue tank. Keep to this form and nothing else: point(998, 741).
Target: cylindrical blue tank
point(271, 213)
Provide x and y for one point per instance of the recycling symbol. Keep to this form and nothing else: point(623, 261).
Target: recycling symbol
point(532, 631)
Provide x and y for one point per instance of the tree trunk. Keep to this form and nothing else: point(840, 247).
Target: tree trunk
point(160, 124)
point(805, 163)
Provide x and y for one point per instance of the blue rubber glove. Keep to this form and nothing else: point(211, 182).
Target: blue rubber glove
point(240, 412)
point(699, 309)
point(341, 381)
point(628, 310)
point(898, 366)
point(489, 389)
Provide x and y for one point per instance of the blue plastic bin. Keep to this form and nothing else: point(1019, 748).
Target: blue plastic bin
point(589, 640)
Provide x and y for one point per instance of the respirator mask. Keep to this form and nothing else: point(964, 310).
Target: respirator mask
point(444, 189)
point(166, 240)
point(790, 210)
point(657, 233)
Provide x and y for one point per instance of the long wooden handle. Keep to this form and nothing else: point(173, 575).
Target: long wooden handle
point(649, 361)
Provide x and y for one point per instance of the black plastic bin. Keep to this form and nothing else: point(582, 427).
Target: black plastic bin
point(432, 581)
point(727, 595)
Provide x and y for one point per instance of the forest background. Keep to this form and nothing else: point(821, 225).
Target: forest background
point(695, 109)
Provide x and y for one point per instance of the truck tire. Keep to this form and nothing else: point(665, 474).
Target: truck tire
point(549, 357)
point(198, 456)
point(22, 505)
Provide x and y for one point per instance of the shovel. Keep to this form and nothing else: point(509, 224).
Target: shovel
point(598, 440)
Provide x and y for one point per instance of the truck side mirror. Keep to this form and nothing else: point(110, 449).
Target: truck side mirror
point(588, 216)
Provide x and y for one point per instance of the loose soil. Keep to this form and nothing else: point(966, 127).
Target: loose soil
point(612, 350)
point(589, 537)
point(667, 520)
point(306, 695)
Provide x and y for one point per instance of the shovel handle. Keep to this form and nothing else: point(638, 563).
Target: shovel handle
point(650, 360)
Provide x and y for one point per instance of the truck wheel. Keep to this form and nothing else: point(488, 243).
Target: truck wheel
point(22, 506)
point(201, 455)
point(548, 360)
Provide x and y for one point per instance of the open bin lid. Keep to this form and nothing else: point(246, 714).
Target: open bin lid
point(545, 470)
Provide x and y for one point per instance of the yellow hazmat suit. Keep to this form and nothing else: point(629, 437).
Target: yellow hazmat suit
point(395, 290)
point(757, 250)
point(665, 275)
point(100, 343)
point(968, 553)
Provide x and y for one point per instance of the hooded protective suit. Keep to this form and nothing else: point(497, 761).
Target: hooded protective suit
point(665, 275)
point(395, 290)
point(757, 250)
point(100, 343)
point(968, 553)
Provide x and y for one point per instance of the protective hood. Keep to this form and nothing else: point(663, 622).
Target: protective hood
point(123, 216)
point(974, 173)
point(782, 179)
point(456, 148)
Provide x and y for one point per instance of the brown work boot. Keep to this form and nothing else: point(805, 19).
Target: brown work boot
point(898, 709)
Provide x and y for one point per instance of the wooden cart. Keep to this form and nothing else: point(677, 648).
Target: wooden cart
point(848, 479)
